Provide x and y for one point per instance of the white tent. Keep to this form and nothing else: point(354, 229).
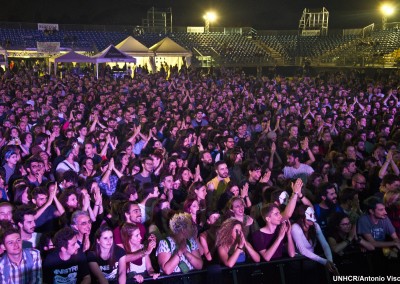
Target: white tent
point(111, 54)
point(136, 49)
point(3, 57)
point(71, 56)
point(167, 50)
point(133, 47)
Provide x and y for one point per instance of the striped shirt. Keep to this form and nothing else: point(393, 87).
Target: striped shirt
point(28, 271)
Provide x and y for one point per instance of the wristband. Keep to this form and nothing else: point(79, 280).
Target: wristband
point(301, 196)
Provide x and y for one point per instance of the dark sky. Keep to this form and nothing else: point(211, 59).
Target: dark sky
point(260, 14)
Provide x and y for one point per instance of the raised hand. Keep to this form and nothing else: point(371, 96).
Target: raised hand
point(273, 147)
point(265, 178)
point(86, 242)
point(245, 190)
point(139, 278)
point(282, 230)
point(296, 187)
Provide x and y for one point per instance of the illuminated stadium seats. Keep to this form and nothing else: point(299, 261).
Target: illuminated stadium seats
point(262, 48)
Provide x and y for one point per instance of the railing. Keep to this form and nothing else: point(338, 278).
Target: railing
point(367, 31)
point(220, 274)
point(296, 270)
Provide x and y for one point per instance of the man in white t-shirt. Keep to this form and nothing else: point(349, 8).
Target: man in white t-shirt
point(294, 168)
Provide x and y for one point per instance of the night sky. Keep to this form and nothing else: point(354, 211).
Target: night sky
point(260, 14)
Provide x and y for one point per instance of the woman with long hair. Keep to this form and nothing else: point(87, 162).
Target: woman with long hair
point(26, 143)
point(179, 251)
point(106, 260)
point(208, 237)
point(342, 235)
point(232, 245)
point(235, 209)
point(192, 207)
point(182, 146)
point(121, 163)
point(198, 191)
point(12, 136)
point(233, 190)
point(132, 241)
point(47, 165)
point(184, 178)
point(87, 169)
point(306, 233)
point(162, 213)
point(346, 244)
point(170, 167)
point(21, 194)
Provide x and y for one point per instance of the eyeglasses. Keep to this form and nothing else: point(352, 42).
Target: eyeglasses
point(89, 222)
point(345, 224)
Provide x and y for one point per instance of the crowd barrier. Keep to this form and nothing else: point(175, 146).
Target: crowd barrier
point(275, 271)
point(298, 269)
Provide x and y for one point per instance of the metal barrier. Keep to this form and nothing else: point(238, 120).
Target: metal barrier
point(296, 270)
point(249, 272)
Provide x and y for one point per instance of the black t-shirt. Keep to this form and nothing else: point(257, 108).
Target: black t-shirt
point(110, 273)
point(58, 271)
point(48, 221)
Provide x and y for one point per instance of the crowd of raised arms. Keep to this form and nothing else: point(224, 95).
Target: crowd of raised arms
point(113, 179)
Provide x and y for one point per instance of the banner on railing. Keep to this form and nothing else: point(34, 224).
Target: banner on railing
point(198, 30)
point(310, 32)
point(48, 47)
point(47, 27)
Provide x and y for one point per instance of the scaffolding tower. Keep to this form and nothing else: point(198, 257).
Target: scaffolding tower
point(158, 21)
point(314, 22)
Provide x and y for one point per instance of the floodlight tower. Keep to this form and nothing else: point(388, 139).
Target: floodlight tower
point(387, 9)
point(209, 17)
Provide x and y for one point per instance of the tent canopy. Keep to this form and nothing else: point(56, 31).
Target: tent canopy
point(168, 47)
point(112, 54)
point(133, 47)
point(3, 55)
point(72, 56)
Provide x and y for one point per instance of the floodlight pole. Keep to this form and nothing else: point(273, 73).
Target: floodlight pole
point(207, 25)
point(384, 22)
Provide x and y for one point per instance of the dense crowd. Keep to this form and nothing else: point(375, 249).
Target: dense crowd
point(112, 179)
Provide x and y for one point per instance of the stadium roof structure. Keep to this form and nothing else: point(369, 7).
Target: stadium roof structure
point(133, 47)
point(168, 47)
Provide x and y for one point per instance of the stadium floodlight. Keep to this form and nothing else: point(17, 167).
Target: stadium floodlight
point(387, 9)
point(209, 17)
